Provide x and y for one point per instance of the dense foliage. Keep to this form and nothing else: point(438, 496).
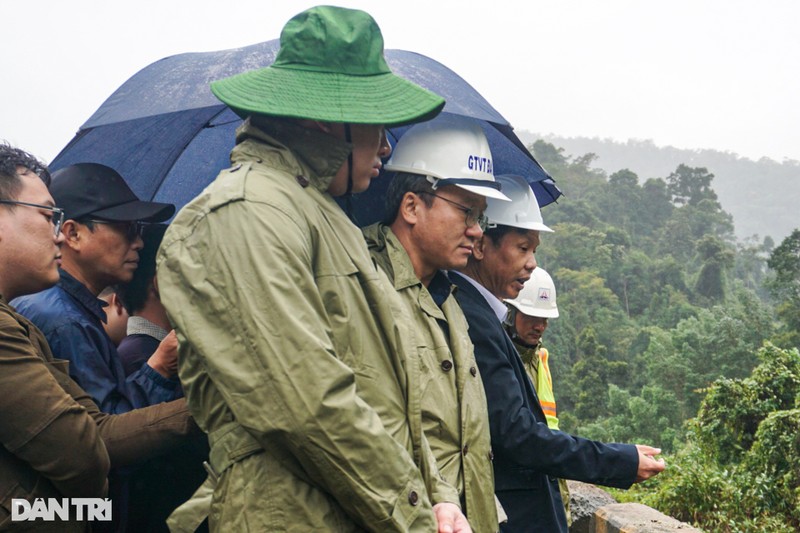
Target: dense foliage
point(761, 195)
point(663, 318)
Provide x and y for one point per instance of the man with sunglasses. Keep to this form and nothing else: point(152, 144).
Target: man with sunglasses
point(434, 216)
point(102, 228)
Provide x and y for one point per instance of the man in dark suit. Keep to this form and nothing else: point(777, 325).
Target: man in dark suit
point(528, 456)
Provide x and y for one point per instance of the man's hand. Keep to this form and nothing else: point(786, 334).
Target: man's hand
point(165, 359)
point(450, 518)
point(649, 466)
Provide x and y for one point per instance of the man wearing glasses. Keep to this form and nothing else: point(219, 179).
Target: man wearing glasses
point(434, 217)
point(54, 441)
point(101, 248)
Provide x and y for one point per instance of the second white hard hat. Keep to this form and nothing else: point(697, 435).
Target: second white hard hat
point(523, 209)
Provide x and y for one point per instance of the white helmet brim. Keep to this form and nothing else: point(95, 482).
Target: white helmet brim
point(488, 192)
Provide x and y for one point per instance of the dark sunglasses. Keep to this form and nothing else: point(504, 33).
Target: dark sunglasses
point(131, 230)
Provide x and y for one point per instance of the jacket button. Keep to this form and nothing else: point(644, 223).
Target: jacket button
point(466, 449)
point(447, 365)
point(302, 181)
point(491, 455)
point(473, 371)
point(413, 498)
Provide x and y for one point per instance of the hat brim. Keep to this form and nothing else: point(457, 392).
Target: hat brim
point(538, 226)
point(385, 99)
point(488, 192)
point(137, 211)
point(533, 311)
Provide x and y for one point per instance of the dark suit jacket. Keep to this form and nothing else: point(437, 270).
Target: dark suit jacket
point(529, 456)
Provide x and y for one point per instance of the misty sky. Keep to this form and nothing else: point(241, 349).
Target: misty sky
point(687, 73)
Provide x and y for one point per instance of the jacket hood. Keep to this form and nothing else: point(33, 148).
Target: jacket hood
point(321, 155)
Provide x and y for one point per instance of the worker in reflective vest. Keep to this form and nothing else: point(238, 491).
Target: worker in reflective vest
point(526, 322)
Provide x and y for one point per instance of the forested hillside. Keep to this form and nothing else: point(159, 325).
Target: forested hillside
point(761, 195)
point(663, 314)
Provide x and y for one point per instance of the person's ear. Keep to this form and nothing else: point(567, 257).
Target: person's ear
point(115, 303)
point(74, 234)
point(478, 248)
point(410, 205)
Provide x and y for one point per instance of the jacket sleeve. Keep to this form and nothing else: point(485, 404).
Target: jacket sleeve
point(243, 293)
point(99, 373)
point(517, 435)
point(41, 424)
point(139, 434)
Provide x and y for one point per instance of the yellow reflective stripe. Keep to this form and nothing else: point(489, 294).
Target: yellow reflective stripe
point(544, 389)
point(543, 355)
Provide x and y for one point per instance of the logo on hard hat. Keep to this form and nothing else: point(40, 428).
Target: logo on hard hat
point(481, 164)
point(544, 294)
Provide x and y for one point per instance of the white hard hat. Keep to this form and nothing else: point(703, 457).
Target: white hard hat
point(449, 150)
point(523, 209)
point(537, 297)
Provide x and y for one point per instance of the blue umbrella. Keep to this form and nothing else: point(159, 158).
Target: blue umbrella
point(169, 136)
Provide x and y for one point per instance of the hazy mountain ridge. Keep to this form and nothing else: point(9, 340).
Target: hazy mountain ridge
point(761, 195)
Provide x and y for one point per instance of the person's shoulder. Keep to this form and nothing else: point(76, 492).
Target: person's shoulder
point(244, 191)
point(136, 344)
point(10, 323)
point(49, 308)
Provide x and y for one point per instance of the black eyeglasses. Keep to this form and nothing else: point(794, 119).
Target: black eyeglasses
point(131, 230)
point(471, 216)
point(56, 218)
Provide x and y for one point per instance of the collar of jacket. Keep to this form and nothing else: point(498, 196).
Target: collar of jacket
point(82, 295)
point(525, 352)
point(316, 151)
point(397, 263)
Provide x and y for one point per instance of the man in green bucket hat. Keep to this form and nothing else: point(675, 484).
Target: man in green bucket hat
point(295, 353)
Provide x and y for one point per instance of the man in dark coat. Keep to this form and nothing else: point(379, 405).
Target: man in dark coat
point(528, 456)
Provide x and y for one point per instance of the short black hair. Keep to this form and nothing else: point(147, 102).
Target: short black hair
point(134, 294)
point(11, 159)
point(402, 183)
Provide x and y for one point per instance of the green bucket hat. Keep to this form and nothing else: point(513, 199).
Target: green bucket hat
point(330, 67)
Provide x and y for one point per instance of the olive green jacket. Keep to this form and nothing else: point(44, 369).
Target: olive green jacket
point(455, 418)
point(293, 349)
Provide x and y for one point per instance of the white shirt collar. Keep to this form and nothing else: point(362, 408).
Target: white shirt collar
point(494, 302)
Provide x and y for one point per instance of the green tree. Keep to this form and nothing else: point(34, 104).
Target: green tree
point(785, 287)
point(576, 247)
point(690, 186)
point(593, 373)
point(716, 259)
point(656, 208)
point(739, 469)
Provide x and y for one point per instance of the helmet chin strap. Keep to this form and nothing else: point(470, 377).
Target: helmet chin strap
point(349, 138)
point(348, 195)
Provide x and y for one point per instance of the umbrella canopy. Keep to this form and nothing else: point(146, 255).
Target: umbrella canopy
point(169, 136)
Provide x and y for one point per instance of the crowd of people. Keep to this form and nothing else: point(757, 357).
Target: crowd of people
point(263, 364)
